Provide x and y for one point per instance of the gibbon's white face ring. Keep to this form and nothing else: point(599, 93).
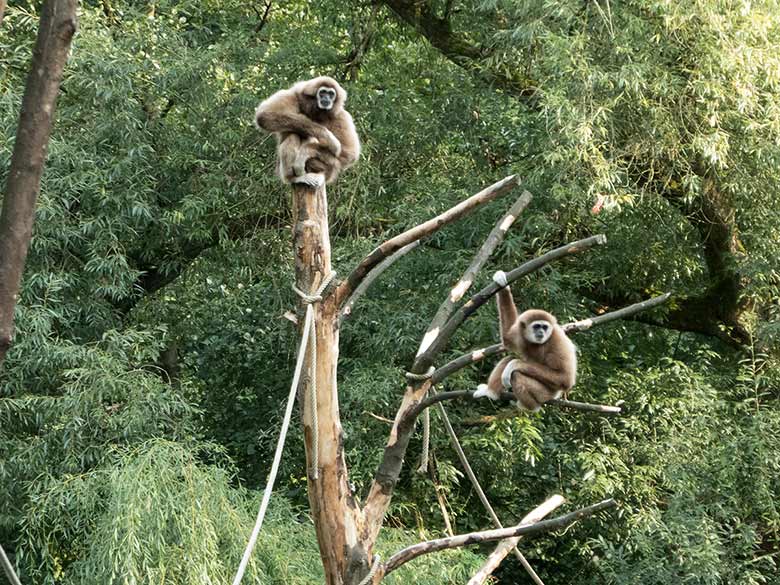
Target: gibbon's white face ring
point(538, 332)
point(326, 98)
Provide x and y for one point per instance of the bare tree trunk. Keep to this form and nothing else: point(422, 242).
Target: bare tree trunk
point(336, 514)
point(2, 10)
point(56, 29)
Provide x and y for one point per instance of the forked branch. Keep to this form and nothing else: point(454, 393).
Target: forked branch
point(346, 311)
point(423, 548)
point(505, 546)
point(418, 232)
point(436, 340)
point(477, 355)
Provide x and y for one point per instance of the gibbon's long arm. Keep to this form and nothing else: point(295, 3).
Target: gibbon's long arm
point(507, 318)
point(350, 144)
point(280, 113)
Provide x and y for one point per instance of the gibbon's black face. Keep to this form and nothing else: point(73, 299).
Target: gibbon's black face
point(538, 331)
point(326, 98)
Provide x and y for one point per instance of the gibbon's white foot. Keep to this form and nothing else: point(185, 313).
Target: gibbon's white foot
point(315, 180)
point(483, 390)
point(500, 278)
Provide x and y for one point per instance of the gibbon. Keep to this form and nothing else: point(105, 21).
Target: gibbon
point(543, 364)
point(315, 136)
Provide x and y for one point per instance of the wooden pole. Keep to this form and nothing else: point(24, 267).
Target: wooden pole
point(336, 514)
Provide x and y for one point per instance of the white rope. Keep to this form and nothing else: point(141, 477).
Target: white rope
point(309, 301)
point(426, 439)
point(367, 579)
point(277, 455)
point(426, 446)
point(306, 337)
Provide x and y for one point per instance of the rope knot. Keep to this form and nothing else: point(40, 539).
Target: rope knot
point(316, 296)
point(411, 376)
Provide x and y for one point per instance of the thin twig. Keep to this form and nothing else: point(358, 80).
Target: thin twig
point(346, 311)
point(264, 18)
point(507, 397)
point(423, 548)
point(503, 547)
point(420, 231)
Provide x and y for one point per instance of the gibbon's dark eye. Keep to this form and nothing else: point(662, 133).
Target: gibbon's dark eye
point(540, 326)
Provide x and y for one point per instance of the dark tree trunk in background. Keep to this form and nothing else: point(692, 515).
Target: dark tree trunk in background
point(56, 29)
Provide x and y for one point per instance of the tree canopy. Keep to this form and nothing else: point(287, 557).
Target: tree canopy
point(140, 402)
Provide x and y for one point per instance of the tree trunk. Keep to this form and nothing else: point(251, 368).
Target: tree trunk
point(2, 10)
point(336, 514)
point(56, 29)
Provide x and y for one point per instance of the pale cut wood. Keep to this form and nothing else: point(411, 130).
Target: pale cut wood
point(505, 546)
point(493, 240)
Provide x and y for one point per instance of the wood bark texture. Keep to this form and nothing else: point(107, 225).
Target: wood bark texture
point(56, 29)
point(336, 514)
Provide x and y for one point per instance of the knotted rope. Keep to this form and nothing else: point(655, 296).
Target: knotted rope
point(367, 579)
point(308, 338)
point(426, 438)
point(309, 301)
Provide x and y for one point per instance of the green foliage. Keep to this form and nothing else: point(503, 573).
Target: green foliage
point(161, 232)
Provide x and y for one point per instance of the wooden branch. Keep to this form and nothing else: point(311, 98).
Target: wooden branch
point(346, 311)
point(423, 548)
point(418, 232)
point(505, 546)
point(466, 360)
point(479, 354)
point(55, 31)
point(2, 10)
point(464, 462)
point(436, 340)
point(7, 566)
point(509, 397)
point(335, 513)
point(585, 324)
point(495, 237)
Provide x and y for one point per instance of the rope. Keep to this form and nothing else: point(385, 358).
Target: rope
point(367, 579)
point(308, 333)
point(309, 301)
point(426, 446)
point(480, 492)
point(412, 377)
point(426, 438)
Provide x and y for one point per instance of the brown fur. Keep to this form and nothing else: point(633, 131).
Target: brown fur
point(325, 139)
point(547, 369)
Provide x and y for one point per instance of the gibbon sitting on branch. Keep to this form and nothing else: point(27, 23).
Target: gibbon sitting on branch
point(316, 137)
point(543, 364)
